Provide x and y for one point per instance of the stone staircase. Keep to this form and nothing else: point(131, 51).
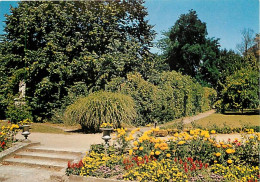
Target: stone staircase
point(38, 156)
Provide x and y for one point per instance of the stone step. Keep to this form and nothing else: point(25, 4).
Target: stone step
point(47, 156)
point(48, 164)
point(42, 149)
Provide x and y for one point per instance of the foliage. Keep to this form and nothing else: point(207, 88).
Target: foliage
point(91, 111)
point(182, 96)
point(7, 135)
point(77, 90)
point(57, 44)
point(144, 93)
point(243, 173)
point(241, 90)
point(187, 49)
point(74, 168)
point(166, 96)
point(18, 113)
point(97, 161)
point(25, 122)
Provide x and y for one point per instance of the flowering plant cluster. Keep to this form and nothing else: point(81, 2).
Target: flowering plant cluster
point(106, 125)
point(25, 122)
point(7, 135)
point(186, 156)
point(74, 168)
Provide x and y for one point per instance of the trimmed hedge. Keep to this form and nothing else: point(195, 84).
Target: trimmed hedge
point(99, 107)
point(168, 96)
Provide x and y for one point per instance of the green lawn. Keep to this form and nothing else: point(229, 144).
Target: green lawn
point(46, 127)
point(229, 120)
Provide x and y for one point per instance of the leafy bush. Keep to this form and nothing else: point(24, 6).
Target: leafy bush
point(79, 89)
point(184, 96)
point(99, 107)
point(18, 113)
point(168, 96)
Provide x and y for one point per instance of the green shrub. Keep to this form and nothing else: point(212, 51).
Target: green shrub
point(168, 96)
point(79, 89)
point(91, 111)
point(145, 94)
point(18, 113)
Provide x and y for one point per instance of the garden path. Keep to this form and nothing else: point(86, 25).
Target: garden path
point(185, 120)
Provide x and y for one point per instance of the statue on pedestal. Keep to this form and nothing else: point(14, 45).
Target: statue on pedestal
point(20, 100)
point(22, 86)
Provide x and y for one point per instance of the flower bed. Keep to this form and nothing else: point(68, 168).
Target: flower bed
point(186, 156)
point(7, 135)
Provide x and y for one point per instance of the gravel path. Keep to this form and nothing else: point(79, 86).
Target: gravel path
point(73, 142)
point(187, 120)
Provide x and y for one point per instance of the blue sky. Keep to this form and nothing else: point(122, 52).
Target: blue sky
point(225, 19)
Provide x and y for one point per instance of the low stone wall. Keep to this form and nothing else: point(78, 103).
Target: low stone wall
point(91, 179)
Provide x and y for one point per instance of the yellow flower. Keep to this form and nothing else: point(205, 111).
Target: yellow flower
point(230, 151)
point(229, 161)
point(168, 155)
point(224, 146)
point(207, 135)
point(213, 132)
point(251, 137)
point(218, 145)
point(218, 154)
point(157, 152)
point(141, 148)
point(135, 143)
point(139, 158)
point(130, 152)
point(152, 153)
point(135, 148)
point(181, 142)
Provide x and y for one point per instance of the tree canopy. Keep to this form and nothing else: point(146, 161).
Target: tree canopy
point(187, 49)
point(53, 44)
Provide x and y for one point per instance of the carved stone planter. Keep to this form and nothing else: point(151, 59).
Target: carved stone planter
point(26, 132)
point(106, 134)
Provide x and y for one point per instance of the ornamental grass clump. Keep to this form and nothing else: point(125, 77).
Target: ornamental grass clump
point(101, 107)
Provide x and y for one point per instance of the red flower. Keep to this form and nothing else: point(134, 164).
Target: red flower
point(186, 170)
point(3, 144)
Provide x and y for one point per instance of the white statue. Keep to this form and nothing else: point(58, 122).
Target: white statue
point(22, 87)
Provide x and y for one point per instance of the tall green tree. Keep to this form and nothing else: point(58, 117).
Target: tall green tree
point(53, 44)
point(187, 49)
point(242, 90)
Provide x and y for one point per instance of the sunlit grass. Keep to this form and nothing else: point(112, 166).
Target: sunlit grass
point(223, 120)
point(46, 127)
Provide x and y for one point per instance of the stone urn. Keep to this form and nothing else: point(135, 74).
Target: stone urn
point(106, 135)
point(26, 132)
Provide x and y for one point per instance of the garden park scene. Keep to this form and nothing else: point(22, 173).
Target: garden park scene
point(89, 92)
